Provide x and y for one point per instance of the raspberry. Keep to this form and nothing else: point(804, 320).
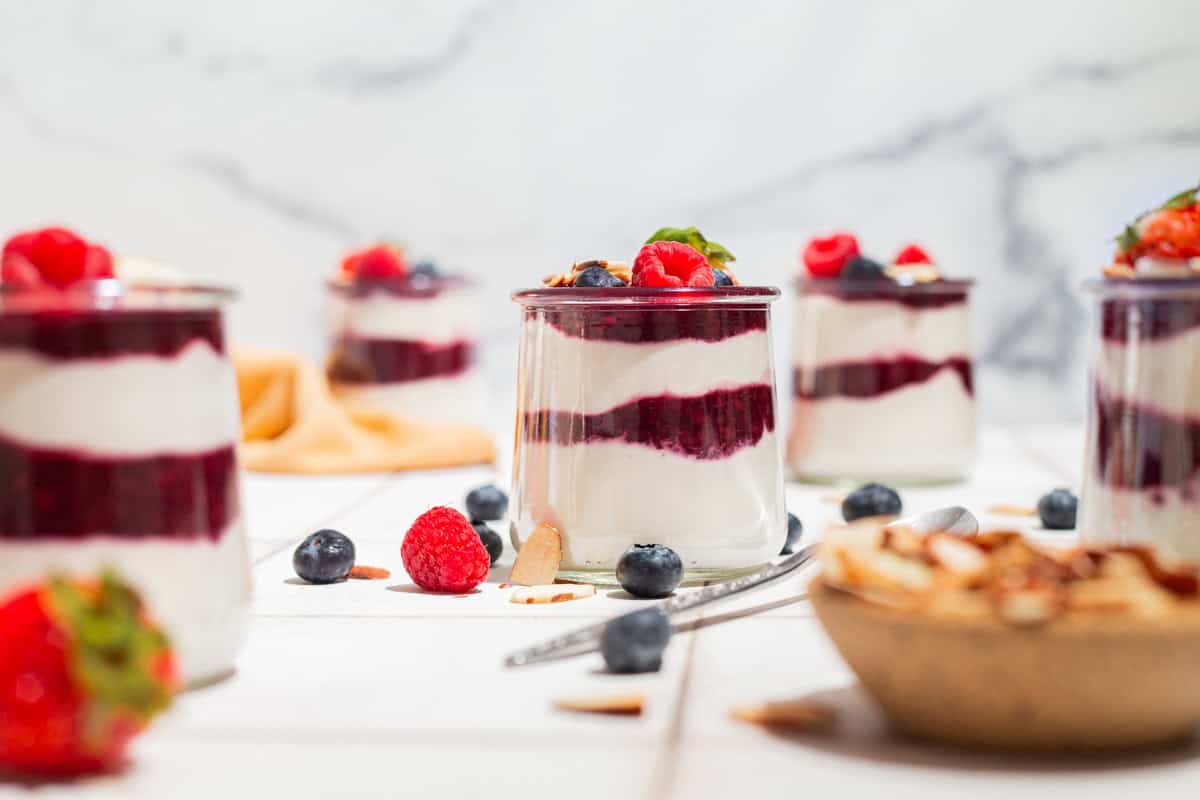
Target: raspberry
point(443, 553)
point(912, 254)
point(825, 256)
point(55, 256)
point(379, 262)
point(671, 264)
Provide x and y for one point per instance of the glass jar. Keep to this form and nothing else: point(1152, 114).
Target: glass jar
point(882, 382)
point(1141, 479)
point(647, 416)
point(407, 347)
point(119, 428)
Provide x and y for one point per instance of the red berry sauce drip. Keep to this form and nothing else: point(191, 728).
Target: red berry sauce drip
point(69, 334)
point(653, 324)
point(866, 379)
point(360, 360)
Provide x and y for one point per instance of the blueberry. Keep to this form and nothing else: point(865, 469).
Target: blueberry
point(1057, 510)
point(598, 278)
point(721, 278)
point(426, 268)
point(635, 642)
point(795, 531)
point(872, 500)
point(649, 570)
point(324, 557)
point(487, 503)
point(491, 540)
point(859, 268)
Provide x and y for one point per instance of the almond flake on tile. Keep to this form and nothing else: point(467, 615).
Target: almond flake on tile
point(796, 715)
point(538, 559)
point(627, 704)
point(365, 573)
point(552, 593)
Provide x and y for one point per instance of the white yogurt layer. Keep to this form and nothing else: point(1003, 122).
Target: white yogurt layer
point(198, 590)
point(592, 376)
point(450, 316)
point(919, 432)
point(1158, 516)
point(1155, 373)
point(831, 331)
point(606, 496)
point(131, 405)
point(455, 399)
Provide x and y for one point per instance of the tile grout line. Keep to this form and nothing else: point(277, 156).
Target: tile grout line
point(345, 509)
point(663, 779)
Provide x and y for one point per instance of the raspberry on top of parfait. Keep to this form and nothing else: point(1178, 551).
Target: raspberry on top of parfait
point(670, 258)
point(837, 257)
point(53, 257)
point(1163, 243)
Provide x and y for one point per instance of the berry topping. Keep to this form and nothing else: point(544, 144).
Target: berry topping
point(872, 500)
point(1170, 232)
point(326, 556)
point(912, 254)
point(443, 553)
point(649, 570)
point(795, 532)
point(53, 256)
point(671, 264)
point(597, 278)
point(721, 278)
point(381, 262)
point(491, 540)
point(635, 642)
point(1057, 510)
point(824, 257)
point(486, 504)
point(82, 670)
point(716, 255)
point(860, 268)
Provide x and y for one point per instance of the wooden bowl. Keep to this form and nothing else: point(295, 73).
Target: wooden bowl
point(1082, 682)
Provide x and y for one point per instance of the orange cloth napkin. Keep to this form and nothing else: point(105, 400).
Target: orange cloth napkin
point(292, 423)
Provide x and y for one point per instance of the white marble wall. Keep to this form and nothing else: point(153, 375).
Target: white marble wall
point(252, 141)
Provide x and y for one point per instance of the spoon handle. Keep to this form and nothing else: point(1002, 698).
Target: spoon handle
point(585, 640)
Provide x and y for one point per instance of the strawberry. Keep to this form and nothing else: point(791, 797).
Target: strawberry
point(82, 670)
point(379, 262)
point(1170, 231)
point(912, 254)
point(54, 256)
point(671, 264)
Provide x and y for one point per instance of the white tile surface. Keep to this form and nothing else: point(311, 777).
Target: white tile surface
point(357, 690)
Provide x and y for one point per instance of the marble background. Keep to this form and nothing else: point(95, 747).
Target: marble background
point(252, 141)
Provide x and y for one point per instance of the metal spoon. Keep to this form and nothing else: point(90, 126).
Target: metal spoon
point(952, 519)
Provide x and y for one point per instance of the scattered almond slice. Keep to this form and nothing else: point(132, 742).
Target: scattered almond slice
point(1119, 271)
point(1007, 510)
point(797, 715)
point(1030, 606)
point(365, 573)
point(956, 555)
point(552, 593)
point(629, 704)
point(916, 273)
point(538, 559)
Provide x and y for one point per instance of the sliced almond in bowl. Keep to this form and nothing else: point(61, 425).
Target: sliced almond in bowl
point(552, 593)
point(538, 559)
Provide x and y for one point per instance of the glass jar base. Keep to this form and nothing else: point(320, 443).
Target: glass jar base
point(692, 577)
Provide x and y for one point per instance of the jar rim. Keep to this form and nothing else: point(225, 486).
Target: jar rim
point(888, 287)
point(688, 296)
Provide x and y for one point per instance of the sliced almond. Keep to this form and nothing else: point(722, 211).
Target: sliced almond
point(365, 573)
point(956, 554)
point(538, 559)
point(1027, 607)
point(796, 715)
point(630, 704)
point(1119, 271)
point(1012, 510)
point(552, 593)
point(914, 273)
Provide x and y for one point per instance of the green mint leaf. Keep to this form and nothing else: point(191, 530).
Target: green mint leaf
point(716, 254)
point(1128, 238)
point(1185, 199)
